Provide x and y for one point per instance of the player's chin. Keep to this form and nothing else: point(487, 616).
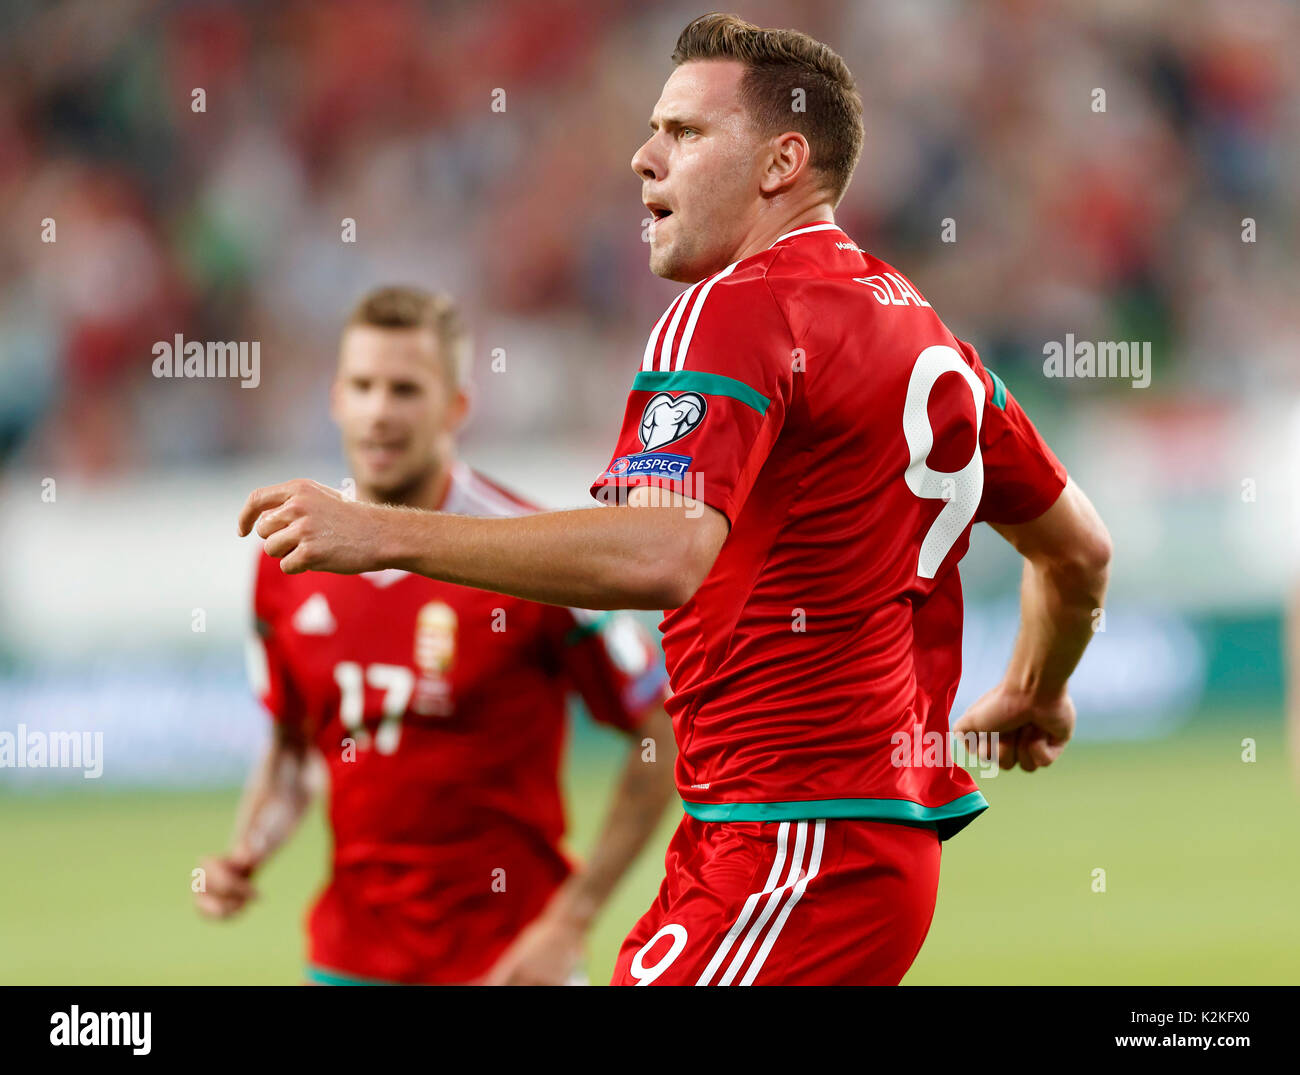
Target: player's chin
point(660, 263)
point(665, 265)
point(383, 481)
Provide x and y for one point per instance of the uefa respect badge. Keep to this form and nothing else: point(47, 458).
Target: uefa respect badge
point(650, 465)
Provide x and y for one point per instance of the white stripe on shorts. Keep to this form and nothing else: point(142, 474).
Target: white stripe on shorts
point(736, 930)
point(783, 897)
point(813, 866)
point(773, 901)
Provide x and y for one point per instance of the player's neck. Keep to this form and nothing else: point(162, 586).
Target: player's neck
point(768, 232)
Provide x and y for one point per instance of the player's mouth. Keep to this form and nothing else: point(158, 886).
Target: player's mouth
point(382, 453)
point(659, 212)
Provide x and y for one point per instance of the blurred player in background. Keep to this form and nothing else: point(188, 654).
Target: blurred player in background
point(439, 710)
point(817, 445)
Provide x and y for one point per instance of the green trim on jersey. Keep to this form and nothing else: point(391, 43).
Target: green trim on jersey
point(949, 818)
point(710, 384)
point(999, 390)
point(323, 976)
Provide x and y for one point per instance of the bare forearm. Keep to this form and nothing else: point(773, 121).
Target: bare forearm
point(1059, 609)
point(272, 806)
point(589, 558)
point(644, 791)
point(627, 556)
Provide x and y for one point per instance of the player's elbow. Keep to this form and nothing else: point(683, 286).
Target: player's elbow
point(1094, 549)
point(675, 593)
point(1083, 565)
point(667, 583)
point(1068, 544)
point(1099, 551)
point(673, 551)
point(667, 573)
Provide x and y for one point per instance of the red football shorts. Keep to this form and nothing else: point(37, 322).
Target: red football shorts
point(826, 902)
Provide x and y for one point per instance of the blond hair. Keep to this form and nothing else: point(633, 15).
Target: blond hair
point(405, 307)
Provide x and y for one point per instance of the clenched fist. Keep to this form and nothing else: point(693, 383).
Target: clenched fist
point(227, 886)
point(311, 527)
point(1031, 733)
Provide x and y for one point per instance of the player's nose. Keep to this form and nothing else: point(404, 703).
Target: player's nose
point(644, 164)
point(380, 409)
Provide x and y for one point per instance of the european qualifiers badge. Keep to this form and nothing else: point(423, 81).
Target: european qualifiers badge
point(435, 651)
point(669, 418)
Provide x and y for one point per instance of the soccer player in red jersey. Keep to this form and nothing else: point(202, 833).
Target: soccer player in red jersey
point(804, 451)
point(439, 711)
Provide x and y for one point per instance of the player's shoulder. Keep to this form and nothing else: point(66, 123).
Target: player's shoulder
point(267, 574)
point(813, 251)
point(752, 296)
point(891, 288)
point(823, 258)
point(803, 278)
point(731, 291)
point(273, 591)
point(712, 314)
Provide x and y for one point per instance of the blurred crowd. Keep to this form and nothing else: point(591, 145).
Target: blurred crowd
point(227, 223)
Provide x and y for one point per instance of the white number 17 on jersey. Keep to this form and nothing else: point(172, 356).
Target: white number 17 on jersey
point(394, 680)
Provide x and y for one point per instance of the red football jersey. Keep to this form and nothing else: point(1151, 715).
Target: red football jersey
point(440, 711)
point(811, 394)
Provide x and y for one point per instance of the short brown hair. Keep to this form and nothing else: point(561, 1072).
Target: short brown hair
point(778, 63)
point(400, 307)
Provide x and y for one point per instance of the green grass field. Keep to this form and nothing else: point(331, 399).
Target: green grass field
point(1201, 853)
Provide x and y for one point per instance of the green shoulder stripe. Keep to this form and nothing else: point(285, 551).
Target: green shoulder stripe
point(999, 390)
point(709, 384)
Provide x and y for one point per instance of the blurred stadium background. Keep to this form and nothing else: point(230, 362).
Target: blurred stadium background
point(225, 225)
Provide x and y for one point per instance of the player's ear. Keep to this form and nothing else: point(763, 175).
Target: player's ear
point(462, 404)
point(789, 158)
point(336, 389)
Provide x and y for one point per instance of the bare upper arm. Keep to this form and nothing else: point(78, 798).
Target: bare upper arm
point(692, 537)
point(1070, 533)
